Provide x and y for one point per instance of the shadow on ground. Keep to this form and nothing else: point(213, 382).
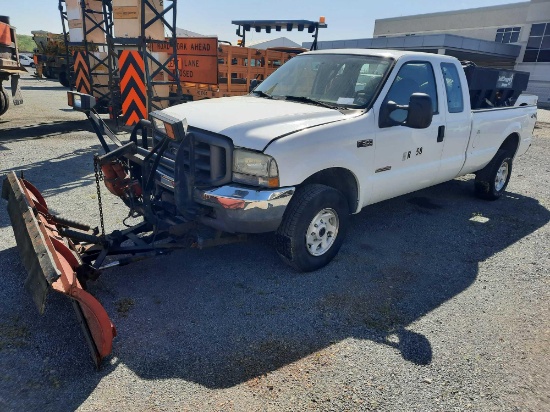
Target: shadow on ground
point(42, 130)
point(55, 175)
point(221, 316)
point(43, 88)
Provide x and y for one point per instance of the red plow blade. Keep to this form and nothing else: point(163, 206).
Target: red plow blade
point(51, 262)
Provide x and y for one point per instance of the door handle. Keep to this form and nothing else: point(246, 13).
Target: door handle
point(440, 133)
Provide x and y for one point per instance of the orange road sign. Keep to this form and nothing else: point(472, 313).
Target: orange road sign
point(197, 58)
point(82, 73)
point(132, 87)
point(194, 46)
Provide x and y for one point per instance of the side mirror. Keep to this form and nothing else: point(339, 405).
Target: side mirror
point(420, 111)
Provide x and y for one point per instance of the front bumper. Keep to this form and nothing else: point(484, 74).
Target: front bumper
point(240, 209)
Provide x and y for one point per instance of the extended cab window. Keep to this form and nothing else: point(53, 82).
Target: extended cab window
point(455, 104)
point(413, 77)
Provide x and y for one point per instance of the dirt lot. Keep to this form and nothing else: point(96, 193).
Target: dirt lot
point(437, 301)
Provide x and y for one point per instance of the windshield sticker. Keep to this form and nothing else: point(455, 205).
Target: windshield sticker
point(345, 100)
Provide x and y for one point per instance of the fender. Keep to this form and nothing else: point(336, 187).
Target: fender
point(327, 146)
point(490, 128)
point(513, 128)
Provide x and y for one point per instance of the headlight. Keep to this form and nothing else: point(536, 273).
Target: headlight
point(158, 125)
point(255, 169)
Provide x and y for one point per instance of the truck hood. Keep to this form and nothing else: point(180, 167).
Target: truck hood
point(253, 122)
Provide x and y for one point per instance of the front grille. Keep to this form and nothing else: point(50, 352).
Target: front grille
point(204, 158)
point(210, 162)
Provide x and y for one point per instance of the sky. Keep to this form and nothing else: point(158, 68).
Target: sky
point(350, 19)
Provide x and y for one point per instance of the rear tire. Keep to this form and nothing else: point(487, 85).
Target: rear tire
point(492, 180)
point(4, 101)
point(63, 79)
point(313, 227)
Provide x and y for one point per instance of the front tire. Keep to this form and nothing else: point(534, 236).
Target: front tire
point(313, 227)
point(492, 180)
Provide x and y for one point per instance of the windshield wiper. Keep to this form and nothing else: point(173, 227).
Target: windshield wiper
point(259, 93)
point(305, 99)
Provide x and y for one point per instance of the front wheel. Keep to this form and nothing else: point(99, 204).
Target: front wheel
point(313, 227)
point(491, 181)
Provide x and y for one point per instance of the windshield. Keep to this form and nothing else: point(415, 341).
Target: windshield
point(338, 80)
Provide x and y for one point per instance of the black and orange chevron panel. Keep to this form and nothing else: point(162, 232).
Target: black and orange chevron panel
point(132, 87)
point(82, 73)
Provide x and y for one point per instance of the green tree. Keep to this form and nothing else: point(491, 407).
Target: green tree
point(25, 43)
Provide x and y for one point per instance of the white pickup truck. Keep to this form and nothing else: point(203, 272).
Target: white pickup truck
point(327, 134)
point(324, 136)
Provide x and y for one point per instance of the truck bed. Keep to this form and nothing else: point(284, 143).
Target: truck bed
point(490, 127)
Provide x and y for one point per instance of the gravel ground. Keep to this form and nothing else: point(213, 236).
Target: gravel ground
point(437, 301)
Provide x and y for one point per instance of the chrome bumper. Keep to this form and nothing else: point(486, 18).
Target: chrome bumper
point(239, 209)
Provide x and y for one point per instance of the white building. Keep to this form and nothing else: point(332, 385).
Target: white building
point(511, 35)
point(189, 33)
point(278, 42)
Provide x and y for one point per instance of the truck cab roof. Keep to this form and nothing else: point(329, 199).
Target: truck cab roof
point(395, 54)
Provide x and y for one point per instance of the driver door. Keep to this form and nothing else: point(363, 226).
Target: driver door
point(406, 159)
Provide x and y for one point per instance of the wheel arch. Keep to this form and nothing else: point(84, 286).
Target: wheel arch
point(341, 179)
point(511, 143)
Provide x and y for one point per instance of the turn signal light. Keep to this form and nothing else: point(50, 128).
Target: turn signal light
point(273, 182)
point(70, 99)
point(169, 131)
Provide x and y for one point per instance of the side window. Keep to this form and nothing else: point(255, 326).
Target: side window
point(413, 77)
point(367, 81)
point(453, 88)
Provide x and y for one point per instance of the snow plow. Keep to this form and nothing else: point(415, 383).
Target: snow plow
point(53, 262)
point(62, 255)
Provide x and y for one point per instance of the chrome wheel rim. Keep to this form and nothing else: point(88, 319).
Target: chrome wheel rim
point(322, 232)
point(502, 175)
